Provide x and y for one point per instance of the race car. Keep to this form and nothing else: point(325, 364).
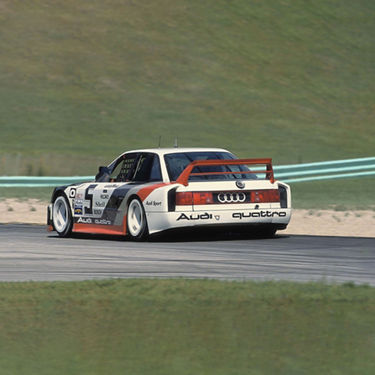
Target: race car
point(144, 192)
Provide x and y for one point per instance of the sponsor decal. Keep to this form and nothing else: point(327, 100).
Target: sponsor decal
point(78, 207)
point(205, 216)
point(97, 212)
point(87, 220)
point(244, 215)
point(100, 204)
point(72, 193)
point(84, 220)
point(102, 222)
point(104, 196)
point(79, 196)
point(153, 203)
point(111, 186)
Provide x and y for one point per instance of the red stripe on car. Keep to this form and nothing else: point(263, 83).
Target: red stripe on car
point(146, 191)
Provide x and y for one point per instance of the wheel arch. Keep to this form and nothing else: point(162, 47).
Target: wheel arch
point(130, 198)
point(144, 232)
point(66, 230)
point(57, 192)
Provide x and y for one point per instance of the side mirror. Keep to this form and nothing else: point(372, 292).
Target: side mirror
point(103, 174)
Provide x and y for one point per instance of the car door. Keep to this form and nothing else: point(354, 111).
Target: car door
point(108, 196)
point(97, 202)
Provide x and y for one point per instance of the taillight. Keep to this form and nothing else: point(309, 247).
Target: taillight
point(184, 199)
point(259, 196)
point(283, 196)
point(196, 198)
point(203, 198)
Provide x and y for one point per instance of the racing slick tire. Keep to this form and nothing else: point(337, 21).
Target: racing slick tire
point(62, 216)
point(136, 221)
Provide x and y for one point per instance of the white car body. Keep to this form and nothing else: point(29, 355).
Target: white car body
point(170, 199)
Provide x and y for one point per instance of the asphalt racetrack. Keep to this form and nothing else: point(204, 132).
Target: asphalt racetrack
point(30, 253)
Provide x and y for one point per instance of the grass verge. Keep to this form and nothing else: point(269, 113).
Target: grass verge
point(43, 194)
point(340, 195)
point(186, 327)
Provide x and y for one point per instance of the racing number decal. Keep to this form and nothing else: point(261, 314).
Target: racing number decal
point(88, 197)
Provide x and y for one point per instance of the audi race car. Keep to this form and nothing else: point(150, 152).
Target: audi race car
point(144, 192)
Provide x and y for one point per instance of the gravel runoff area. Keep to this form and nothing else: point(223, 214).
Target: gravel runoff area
point(304, 222)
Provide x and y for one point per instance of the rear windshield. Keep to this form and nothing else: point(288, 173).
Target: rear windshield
point(178, 161)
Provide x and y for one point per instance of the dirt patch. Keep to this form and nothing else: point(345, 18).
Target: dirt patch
point(332, 223)
point(307, 222)
point(31, 211)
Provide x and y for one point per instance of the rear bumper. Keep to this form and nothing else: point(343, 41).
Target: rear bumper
point(159, 221)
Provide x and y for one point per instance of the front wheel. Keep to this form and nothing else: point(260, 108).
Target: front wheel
point(136, 221)
point(62, 216)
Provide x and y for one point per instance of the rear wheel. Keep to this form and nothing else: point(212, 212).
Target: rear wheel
point(62, 216)
point(136, 221)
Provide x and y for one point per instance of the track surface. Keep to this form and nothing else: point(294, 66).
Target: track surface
point(30, 253)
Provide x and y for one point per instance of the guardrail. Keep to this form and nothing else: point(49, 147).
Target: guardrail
point(326, 170)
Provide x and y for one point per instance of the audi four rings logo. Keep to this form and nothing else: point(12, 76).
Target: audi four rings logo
point(231, 197)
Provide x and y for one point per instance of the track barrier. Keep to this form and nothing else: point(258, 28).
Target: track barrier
point(326, 170)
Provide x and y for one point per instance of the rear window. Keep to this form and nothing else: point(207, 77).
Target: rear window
point(178, 161)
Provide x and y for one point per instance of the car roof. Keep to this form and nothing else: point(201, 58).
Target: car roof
point(173, 150)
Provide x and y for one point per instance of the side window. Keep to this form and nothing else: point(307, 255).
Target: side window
point(115, 172)
point(124, 168)
point(155, 170)
point(148, 168)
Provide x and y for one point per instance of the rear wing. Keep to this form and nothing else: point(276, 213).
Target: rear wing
point(187, 172)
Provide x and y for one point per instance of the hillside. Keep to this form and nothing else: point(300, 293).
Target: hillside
point(82, 81)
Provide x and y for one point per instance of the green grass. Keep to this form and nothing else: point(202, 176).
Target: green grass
point(342, 194)
point(83, 81)
point(43, 194)
point(186, 327)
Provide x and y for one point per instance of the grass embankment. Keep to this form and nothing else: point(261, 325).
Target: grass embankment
point(43, 194)
point(82, 82)
point(341, 195)
point(186, 327)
